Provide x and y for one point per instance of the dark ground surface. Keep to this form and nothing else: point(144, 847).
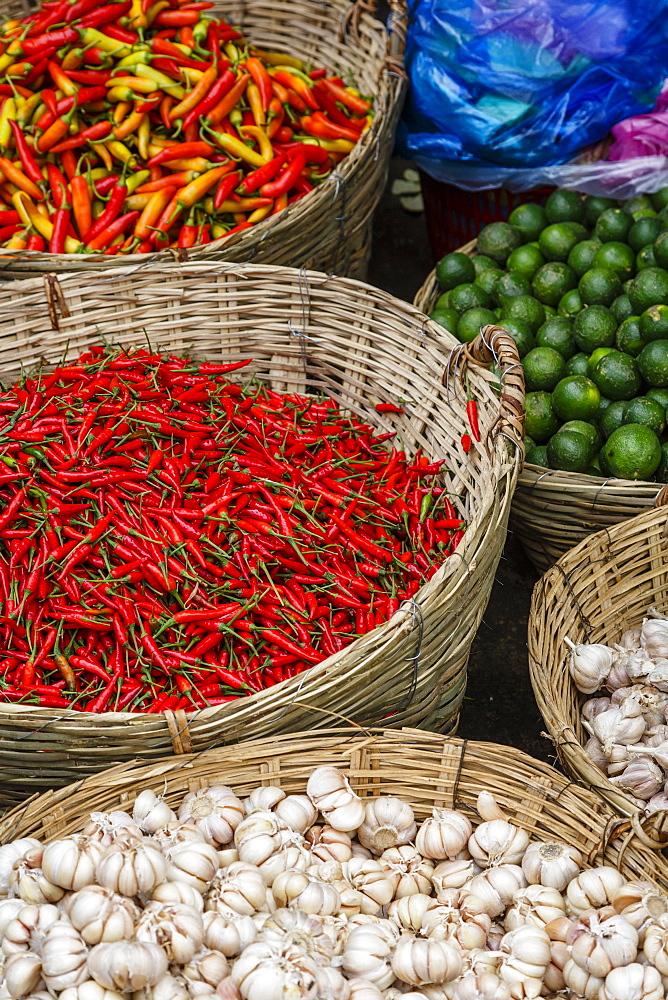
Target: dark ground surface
point(499, 704)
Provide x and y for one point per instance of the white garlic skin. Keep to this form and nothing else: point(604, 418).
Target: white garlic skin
point(537, 904)
point(594, 751)
point(28, 881)
point(194, 862)
point(89, 990)
point(589, 665)
point(264, 797)
point(642, 904)
point(483, 986)
point(11, 852)
point(601, 940)
point(633, 982)
point(264, 973)
point(496, 887)
point(551, 864)
point(216, 812)
point(127, 965)
point(368, 952)
point(174, 926)
point(70, 862)
point(297, 812)
point(101, 915)
point(151, 812)
point(228, 932)
point(454, 874)
point(178, 892)
point(64, 955)
point(307, 894)
point(498, 842)
point(443, 835)
point(418, 961)
point(22, 974)
point(654, 637)
point(594, 887)
point(388, 822)
point(415, 872)
point(330, 792)
point(130, 870)
point(324, 843)
point(240, 887)
point(640, 778)
point(581, 982)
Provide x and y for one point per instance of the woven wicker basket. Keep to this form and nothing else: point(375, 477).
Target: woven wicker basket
point(305, 331)
point(593, 593)
point(552, 510)
point(425, 769)
point(330, 230)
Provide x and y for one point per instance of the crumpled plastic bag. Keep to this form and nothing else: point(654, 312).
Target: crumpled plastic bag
point(642, 135)
point(527, 83)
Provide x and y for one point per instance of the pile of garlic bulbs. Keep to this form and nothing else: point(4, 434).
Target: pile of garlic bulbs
point(320, 896)
point(627, 720)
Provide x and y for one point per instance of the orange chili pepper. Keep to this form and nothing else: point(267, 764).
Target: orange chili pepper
point(52, 135)
point(192, 192)
point(81, 205)
point(17, 177)
point(130, 125)
point(199, 91)
point(152, 212)
point(231, 99)
point(172, 180)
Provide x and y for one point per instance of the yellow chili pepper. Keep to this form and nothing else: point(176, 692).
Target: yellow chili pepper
point(136, 16)
point(255, 102)
point(18, 241)
point(197, 163)
point(144, 137)
point(121, 152)
point(241, 206)
point(139, 56)
point(279, 59)
point(235, 147)
point(163, 81)
point(104, 154)
point(232, 52)
point(6, 61)
point(136, 202)
point(218, 230)
point(7, 115)
point(192, 192)
point(259, 214)
point(97, 173)
point(122, 94)
point(135, 83)
point(294, 70)
point(26, 108)
point(72, 60)
point(155, 9)
point(121, 112)
point(331, 145)
point(127, 124)
point(62, 81)
point(263, 141)
point(30, 216)
point(93, 37)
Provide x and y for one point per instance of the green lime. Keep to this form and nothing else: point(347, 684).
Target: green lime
point(446, 318)
point(569, 450)
point(543, 368)
point(649, 288)
point(471, 321)
point(565, 206)
point(632, 452)
point(621, 308)
point(654, 324)
point(660, 395)
point(552, 281)
point(522, 336)
point(599, 287)
point(576, 398)
point(550, 311)
point(525, 260)
point(617, 376)
point(653, 363)
point(645, 258)
point(487, 280)
point(594, 327)
point(577, 364)
point(581, 257)
point(528, 442)
point(595, 357)
point(643, 232)
point(578, 229)
point(529, 219)
point(645, 410)
point(442, 302)
point(617, 257)
point(660, 199)
point(557, 241)
point(482, 263)
point(661, 474)
point(454, 269)
point(613, 225)
point(524, 309)
point(628, 338)
point(510, 285)
point(661, 250)
point(498, 240)
point(570, 304)
point(585, 428)
point(595, 206)
point(638, 203)
point(645, 213)
point(541, 420)
point(557, 332)
point(537, 456)
point(613, 417)
point(602, 407)
point(468, 296)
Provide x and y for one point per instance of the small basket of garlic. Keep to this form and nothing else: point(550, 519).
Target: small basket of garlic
point(598, 658)
point(337, 865)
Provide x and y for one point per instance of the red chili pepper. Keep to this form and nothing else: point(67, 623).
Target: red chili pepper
point(28, 162)
point(472, 414)
point(285, 180)
point(467, 443)
point(92, 134)
point(114, 205)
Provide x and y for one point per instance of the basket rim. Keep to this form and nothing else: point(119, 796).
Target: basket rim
point(503, 464)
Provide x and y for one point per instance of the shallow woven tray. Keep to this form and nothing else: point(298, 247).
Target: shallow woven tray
point(553, 510)
point(594, 593)
point(306, 332)
point(425, 769)
point(329, 230)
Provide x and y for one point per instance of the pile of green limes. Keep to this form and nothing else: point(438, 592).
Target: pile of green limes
point(582, 286)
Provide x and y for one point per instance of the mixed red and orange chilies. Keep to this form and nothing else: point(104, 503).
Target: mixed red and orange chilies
point(171, 539)
point(137, 125)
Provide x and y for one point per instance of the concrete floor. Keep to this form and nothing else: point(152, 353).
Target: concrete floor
point(499, 704)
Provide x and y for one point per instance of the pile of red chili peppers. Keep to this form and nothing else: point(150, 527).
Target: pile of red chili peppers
point(135, 125)
point(170, 539)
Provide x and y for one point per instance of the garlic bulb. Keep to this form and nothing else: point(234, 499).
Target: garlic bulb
point(304, 931)
point(258, 837)
point(537, 904)
point(553, 980)
point(594, 750)
point(595, 706)
point(330, 792)
point(228, 990)
point(590, 664)
point(655, 945)
point(175, 833)
point(497, 886)
point(498, 842)
point(194, 862)
point(11, 852)
point(486, 986)
point(654, 637)
point(168, 988)
point(454, 874)
point(593, 888)
point(551, 864)
point(614, 726)
point(526, 957)
point(131, 869)
point(64, 955)
point(414, 872)
point(298, 889)
point(368, 952)
point(388, 822)
point(641, 904)
point(150, 812)
point(28, 881)
point(601, 940)
point(330, 984)
point(70, 862)
point(418, 961)
point(619, 675)
point(175, 927)
point(297, 812)
point(651, 703)
point(206, 966)
point(639, 665)
point(265, 973)
point(362, 989)
point(641, 778)
point(23, 974)
point(127, 965)
point(101, 915)
point(178, 892)
point(89, 990)
point(240, 887)
point(108, 827)
point(408, 912)
point(263, 798)
point(9, 910)
point(581, 982)
point(633, 982)
point(630, 639)
point(324, 843)
point(228, 932)
point(459, 917)
point(216, 812)
point(443, 835)
point(375, 883)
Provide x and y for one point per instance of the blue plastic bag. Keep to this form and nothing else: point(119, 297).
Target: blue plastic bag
point(522, 83)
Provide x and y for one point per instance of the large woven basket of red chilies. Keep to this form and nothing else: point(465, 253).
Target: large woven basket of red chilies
point(237, 501)
point(149, 130)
